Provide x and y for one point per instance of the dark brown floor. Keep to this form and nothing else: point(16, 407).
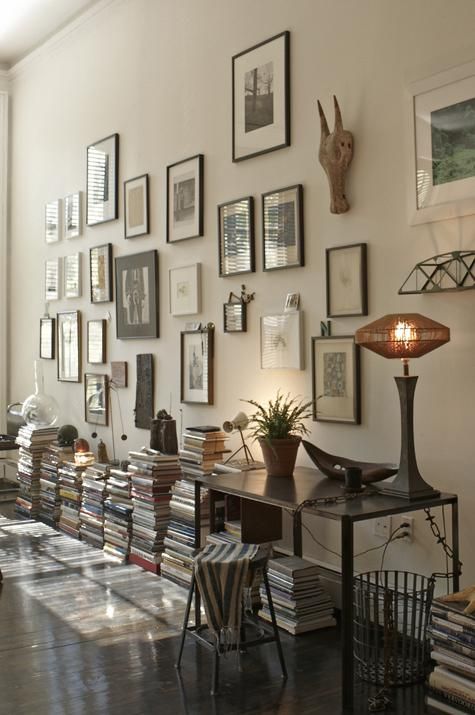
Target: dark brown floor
point(80, 635)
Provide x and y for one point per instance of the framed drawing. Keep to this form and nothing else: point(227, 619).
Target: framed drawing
point(185, 289)
point(47, 329)
point(282, 228)
point(137, 290)
point(336, 379)
point(102, 180)
point(347, 285)
point(72, 275)
point(96, 399)
point(119, 374)
point(136, 221)
point(68, 325)
point(96, 341)
point(443, 122)
point(53, 221)
point(72, 215)
point(196, 366)
point(235, 317)
point(261, 98)
point(52, 279)
point(236, 237)
point(185, 199)
point(100, 273)
point(281, 341)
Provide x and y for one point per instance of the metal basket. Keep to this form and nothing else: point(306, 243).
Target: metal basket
point(391, 615)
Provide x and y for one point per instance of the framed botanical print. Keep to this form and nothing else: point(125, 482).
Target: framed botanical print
point(100, 273)
point(96, 399)
point(137, 291)
point(96, 341)
point(196, 366)
point(347, 285)
point(102, 180)
point(72, 215)
point(185, 199)
point(52, 279)
point(47, 338)
point(185, 289)
point(235, 317)
point(281, 341)
point(136, 221)
point(282, 228)
point(68, 325)
point(72, 274)
point(236, 237)
point(336, 379)
point(53, 221)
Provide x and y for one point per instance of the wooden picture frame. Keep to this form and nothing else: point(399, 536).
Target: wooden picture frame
point(52, 279)
point(100, 273)
point(136, 207)
point(282, 228)
point(53, 221)
point(235, 317)
point(282, 341)
point(68, 328)
point(197, 366)
point(336, 379)
point(72, 275)
point(47, 338)
point(185, 204)
point(102, 177)
point(96, 399)
point(184, 287)
point(72, 215)
point(137, 296)
point(96, 341)
point(346, 280)
point(236, 237)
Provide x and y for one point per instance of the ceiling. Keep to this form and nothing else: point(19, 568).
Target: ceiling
point(26, 24)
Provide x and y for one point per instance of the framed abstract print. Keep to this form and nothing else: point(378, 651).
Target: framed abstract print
point(137, 291)
point(96, 399)
point(185, 199)
point(100, 273)
point(282, 228)
point(347, 285)
point(102, 180)
point(196, 366)
point(68, 325)
point(47, 338)
point(136, 221)
point(336, 379)
point(236, 237)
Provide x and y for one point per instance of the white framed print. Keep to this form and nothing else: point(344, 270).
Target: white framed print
point(72, 215)
point(185, 289)
point(53, 221)
point(52, 279)
point(281, 341)
point(347, 284)
point(185, 199)
point(72, 274)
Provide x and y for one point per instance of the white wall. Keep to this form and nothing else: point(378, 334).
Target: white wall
point(159, 74)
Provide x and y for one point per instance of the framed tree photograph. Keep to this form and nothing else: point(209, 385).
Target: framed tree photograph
point(100, 273)
point(96, 399)
point(185, 199)
point(53, 221)
point(196, 366)
point(236, 237)
point(137, 290)
point(336, 379)
point(72, 215)
point(47, 338)
point(185, 289)
point(96, 341)
point(235, 317)
point(102, 180)
point(52, 279)
point(72, 275)
point(282, 228)
point(136, 220)
point(347, 284)
point(281, 341)
point(261, 98)
point(68, 325)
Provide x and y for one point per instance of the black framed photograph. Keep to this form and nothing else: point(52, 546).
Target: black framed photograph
point(72, 215)
point(196, 366)
point(282, 228)
point(235, 317)
point(137, 290)
point(53, 221)
point(261, 98)
point(47, 338)
point(185, 199)
point(102, 180)
point(96, 341)
point(96, 399)
point(336, 379)
point(236, 237)
point(136, 219)
point(100, 273)
point(347, 281)
point(68, 324)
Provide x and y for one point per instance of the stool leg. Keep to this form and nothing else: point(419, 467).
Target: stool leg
point(274, 626)
point(185, 621)
point(215, 681)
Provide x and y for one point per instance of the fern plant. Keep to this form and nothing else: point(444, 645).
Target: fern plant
point(280, 418)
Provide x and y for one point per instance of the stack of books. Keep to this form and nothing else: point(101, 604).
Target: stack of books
point(118, 508)
point(32, 442)
point(452, 682)
point(300, 602)
point(153, 475)
point(51, 459)
point(70, 488)
point(91, 514)
point(203, 446)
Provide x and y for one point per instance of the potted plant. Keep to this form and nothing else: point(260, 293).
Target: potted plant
point(278, 427)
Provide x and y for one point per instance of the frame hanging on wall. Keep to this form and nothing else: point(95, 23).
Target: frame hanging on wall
point(196, 365)
point(144, 391)
point(68, 325)
point(281, 340)
point(347, 285)
point(136, 279)
point(236, 237)
point(72, 274)
point(100, 273)
point(185, 199)
point(282, 228)
point(96, 399)
point(136, 218)
point(52, 279)
point(336, 379)
point(102, 180)
point(96, 341)
point(185, 289)
point(53, 221)
point(47, 338)
point(72, 215)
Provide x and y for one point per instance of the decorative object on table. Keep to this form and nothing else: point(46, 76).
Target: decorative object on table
point(292, 302)
point(136, 219)
point(40, 409)
point(282, 228)
point(196, 365)
point(335, 467)
point(68, 325)
point(278, 427)
point(347, 288)
point(335, 155)
point(119, 374)
point(96, 341)
point(100, 273)
point(96, 399)
point(261, 98)
point(405, 336)
point(236, 237)
point(72, 275)
point(336, 379)
point(281, 341)
point(72, 218)
point(52, 279)
point(353, 479)
point(47, 338)
point(137, 290)
point(239, 423)
point(163, 436)
point(67, 434)
point(185, 289)
point(82, 454)
point(185, 199)
point(53, 221)
point(102, 180)
point(466, 596)
point(452, 271)
point(102, 456)
point(442, 182)
point(144, 391)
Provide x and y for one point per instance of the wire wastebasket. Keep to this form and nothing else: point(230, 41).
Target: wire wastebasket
point(391, 614)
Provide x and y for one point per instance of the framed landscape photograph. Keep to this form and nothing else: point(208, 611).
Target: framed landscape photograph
point(96, 341)
point(185, 199)
point(236, 237)
point(136, 221)
point(347, 285)
point(196, 366)
point(52, 279)
point(261, 98)
point(100, 273)
point(137, 291)
point(53, 221)
point(281, 341)
point(102, 180)
point(336, 379)
point(72, 274)
point(72, 215)
point(282, 228)
point(235, 317)
point(96, 399)
point(185, 289)
point(47, 338)
point(68, 325)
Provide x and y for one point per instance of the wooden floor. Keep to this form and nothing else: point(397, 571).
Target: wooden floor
point(80, 635)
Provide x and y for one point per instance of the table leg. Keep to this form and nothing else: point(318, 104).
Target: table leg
point(455, 545)
point(297, 535)
point(347, 613)
point(197, 546)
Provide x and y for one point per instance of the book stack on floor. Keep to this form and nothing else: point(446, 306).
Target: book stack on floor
point(50, 501)
point(118, 508)
point(70, 488)
point(300, 602)
point(203, 446)
point(153, 475)
point(91, 514)
point(32, 442)
point(452, 682)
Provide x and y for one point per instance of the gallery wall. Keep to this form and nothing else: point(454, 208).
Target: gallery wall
point(158, 72)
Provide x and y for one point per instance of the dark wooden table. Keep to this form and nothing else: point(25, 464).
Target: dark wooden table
point(289, 492)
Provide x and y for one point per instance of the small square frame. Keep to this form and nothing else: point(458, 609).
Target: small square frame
point(102, 180)
point(72, 275)
point(68, 329)
point(196, 366)
point(96, 399)
point(185, 199)
point(282, 228)
point(336, 379)
point(184, 287)
point(72, 215)
point(136, 212)
point(47, 338)
point(236, 237)
point(347, 281)
point(235, 317)
point(100, 273)
point(96, 341)
point(281, 341)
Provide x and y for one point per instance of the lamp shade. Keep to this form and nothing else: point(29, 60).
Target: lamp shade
point(402, 335)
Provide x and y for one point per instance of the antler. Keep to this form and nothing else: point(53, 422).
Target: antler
point(323, 121)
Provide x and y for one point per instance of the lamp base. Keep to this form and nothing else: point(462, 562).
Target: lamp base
point(416, 489)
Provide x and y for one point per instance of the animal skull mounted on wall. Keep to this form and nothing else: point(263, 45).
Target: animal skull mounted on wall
point(335, 155)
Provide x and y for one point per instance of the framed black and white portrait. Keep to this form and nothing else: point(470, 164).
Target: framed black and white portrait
point(336, 379)
point(236, 237)
point(347, 286)
point(72, 215)
point(102, 180)
point(136, 220)
point(47, 338)
point(68, 325)
point(282, 228)
point(96, 399)
point(196, 366)
point(185, 199)
point(100, 273)
point(137, 295)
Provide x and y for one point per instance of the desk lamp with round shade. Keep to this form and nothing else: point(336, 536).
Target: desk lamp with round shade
point(405, 336)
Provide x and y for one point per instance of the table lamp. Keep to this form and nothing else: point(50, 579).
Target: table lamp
point(405, 336)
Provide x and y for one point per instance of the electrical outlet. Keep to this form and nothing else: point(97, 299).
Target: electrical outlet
point(382, 527)
point(399, 519)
